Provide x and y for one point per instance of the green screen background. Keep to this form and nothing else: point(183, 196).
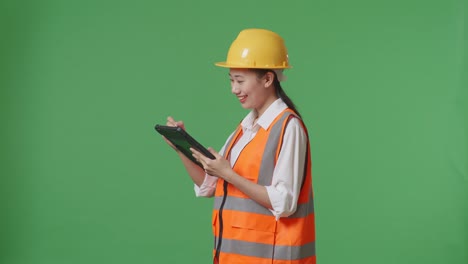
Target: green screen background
point(382, 86)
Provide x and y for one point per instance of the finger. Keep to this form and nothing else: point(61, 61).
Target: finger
point(196, 153)
point(200, 160)
point(171, 121)
point(200, 157)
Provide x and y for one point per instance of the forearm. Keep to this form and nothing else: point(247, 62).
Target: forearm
point(195, 172)
point(256, 192)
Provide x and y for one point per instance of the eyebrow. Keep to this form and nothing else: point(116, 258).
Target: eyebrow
point(237, 75)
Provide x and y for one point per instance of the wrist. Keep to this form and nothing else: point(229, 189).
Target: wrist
point(229, 176)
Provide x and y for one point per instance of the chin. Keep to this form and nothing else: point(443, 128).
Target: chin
point(246, 106)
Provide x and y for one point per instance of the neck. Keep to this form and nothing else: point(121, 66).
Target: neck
point(265, 105)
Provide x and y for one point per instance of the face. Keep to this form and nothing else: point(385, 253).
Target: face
point(253, 92)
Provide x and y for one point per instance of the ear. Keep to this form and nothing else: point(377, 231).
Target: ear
point(269, 79)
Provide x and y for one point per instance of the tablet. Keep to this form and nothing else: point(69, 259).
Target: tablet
point(183, 142)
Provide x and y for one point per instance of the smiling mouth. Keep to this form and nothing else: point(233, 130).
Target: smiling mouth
point(242, 98)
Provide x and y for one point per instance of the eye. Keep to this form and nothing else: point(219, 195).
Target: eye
point(240, 82)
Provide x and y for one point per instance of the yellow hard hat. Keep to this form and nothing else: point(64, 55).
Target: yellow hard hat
point(257, 49)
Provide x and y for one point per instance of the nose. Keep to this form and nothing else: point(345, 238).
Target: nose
point(234, 89)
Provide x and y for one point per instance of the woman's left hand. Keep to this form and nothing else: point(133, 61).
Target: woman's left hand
point(218, 167)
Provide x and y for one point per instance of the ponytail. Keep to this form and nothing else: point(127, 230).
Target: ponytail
point(279, 90)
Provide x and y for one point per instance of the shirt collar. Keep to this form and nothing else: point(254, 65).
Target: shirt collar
point(267, 118)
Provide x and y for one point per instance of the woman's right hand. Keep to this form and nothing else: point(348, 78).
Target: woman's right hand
point(173, 123)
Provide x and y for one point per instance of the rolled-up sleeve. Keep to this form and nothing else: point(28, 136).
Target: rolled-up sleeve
point(207, 188)
point(289, 171)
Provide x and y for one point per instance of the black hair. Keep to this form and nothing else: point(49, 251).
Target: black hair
point(279, 90)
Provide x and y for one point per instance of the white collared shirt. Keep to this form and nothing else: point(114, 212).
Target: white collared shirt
point(289, 171)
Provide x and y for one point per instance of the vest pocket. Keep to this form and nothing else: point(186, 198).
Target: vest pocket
point(249, 227)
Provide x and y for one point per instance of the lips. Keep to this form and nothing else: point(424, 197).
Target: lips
point(242, 98)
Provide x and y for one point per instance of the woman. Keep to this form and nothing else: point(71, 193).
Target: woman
point(261, 181)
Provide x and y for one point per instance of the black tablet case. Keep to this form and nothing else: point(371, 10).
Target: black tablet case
point(183, 141)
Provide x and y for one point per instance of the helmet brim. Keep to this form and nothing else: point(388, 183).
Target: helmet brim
point(235, 66)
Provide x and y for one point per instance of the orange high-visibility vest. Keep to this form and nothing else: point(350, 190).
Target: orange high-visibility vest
point(246, 232)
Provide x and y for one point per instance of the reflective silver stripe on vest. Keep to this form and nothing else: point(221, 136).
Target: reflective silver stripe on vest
point(229, 142)
point(269, 154)
point(266, 251)
point(250, 206)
